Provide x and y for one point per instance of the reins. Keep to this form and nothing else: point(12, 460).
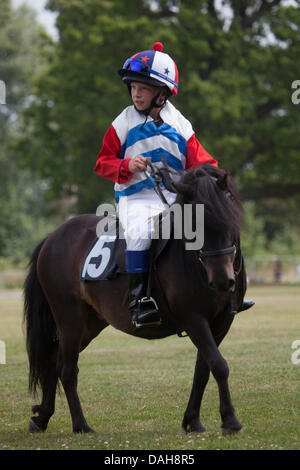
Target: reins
point(159, 176)
point(155, 179)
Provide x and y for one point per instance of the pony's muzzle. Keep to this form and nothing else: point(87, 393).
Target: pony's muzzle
point(223, 285)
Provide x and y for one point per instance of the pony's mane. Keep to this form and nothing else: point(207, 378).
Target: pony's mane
point(215, 189)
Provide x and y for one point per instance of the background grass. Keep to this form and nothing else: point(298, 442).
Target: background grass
point(134, 392)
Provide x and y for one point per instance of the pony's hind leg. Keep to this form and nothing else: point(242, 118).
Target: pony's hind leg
point(69, 373)
point(74, 337)
point(45, 410)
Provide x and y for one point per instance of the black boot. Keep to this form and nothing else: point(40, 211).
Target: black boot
point(246, 305)
point(144, 310)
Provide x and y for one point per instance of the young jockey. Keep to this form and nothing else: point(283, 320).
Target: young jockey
point(151, 128)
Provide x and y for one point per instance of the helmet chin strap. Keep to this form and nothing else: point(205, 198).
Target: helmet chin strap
point(153, 104)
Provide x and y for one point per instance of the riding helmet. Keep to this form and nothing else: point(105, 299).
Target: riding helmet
point(153, 67)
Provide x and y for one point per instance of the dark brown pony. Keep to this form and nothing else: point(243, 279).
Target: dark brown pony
point(194, 289)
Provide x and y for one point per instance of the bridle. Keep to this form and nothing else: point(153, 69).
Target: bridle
point(221, 252)
point(155, 178)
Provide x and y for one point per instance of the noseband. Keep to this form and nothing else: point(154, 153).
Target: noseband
point(223, 251)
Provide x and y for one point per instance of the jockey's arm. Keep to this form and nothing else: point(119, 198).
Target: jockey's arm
point(196, 155)
point(110, 165)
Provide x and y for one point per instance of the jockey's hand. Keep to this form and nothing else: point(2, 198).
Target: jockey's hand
point(138, 163)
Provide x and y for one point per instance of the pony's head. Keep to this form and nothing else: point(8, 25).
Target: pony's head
point(215, 189)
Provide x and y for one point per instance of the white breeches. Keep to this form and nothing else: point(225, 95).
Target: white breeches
point(137, 213)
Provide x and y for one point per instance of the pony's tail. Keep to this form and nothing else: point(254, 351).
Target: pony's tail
point(39, 323)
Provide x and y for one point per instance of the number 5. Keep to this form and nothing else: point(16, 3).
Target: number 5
point(98, 251)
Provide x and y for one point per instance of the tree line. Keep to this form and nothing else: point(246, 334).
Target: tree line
point(236, 68)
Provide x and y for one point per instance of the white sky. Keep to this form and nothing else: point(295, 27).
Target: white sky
point(45, 17)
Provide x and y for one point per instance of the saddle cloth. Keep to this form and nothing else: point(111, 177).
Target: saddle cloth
point(105, 258)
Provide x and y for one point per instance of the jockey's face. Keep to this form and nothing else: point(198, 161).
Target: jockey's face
point(143, 94)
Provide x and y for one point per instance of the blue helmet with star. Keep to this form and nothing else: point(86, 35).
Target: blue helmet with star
point(153, 67)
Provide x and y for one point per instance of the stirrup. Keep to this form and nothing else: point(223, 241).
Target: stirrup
point(145, 311)
point(145, 300)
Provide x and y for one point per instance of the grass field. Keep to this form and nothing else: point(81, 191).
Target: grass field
point(134, 392)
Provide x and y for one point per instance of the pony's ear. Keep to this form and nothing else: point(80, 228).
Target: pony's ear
point(184, 189)
point(223, 182)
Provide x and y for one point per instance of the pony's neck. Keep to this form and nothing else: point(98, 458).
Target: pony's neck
point(184, 269)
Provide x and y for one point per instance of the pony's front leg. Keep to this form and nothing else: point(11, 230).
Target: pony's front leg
point(200, 333)
point(191, 420)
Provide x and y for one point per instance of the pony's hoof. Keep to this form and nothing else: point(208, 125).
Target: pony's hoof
point(84, 430)
point(33, 427)
point(89, 430)
point(195, 430)
point(195, 426)
point(230, 431)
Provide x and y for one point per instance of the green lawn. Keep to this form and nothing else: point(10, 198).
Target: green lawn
point(134, 392)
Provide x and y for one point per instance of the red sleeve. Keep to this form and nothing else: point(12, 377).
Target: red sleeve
point(109, 165)
point(196, 155)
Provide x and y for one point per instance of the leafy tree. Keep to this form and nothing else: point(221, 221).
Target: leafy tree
point(235, 87)
point(241, 87)
point(236, 75)
point(23, 220)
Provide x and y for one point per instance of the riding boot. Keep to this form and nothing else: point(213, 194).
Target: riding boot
point(144, 309)
point(246, 305)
